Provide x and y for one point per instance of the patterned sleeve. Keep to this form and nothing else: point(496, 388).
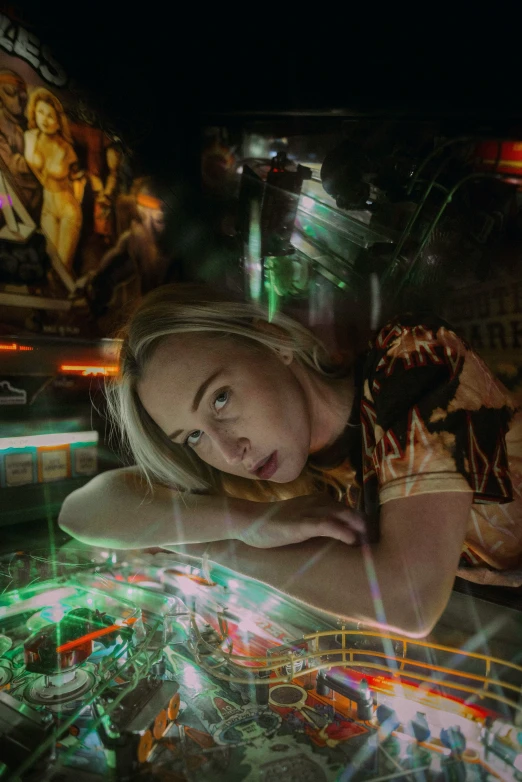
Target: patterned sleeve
point(434, 418)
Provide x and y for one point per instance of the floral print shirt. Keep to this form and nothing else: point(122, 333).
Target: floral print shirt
point(430, 417)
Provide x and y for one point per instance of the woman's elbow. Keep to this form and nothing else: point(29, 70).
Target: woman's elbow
point(423, 617)
point(414, 627)
point(69, 519)
point(419, 629)
point(76, 512)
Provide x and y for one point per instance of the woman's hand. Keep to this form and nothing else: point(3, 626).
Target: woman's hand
point(273, 524)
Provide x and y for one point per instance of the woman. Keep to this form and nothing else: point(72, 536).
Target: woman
point(51, 156)
point(251, 436)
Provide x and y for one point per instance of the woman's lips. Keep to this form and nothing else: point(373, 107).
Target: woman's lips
point(266, 471)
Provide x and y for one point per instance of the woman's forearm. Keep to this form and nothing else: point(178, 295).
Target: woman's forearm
point(402, 583)
point(364, 584)
point(116, 509)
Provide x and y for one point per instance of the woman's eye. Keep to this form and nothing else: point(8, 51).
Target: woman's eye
point(219, 403)
point(221, 400)
point(194, 437)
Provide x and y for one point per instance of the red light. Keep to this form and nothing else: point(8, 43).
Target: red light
point(95, 634)
point(89, 371)
point(502, 156)
point(14, 346)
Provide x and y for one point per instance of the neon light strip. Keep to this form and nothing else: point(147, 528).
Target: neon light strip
point(37, 440)
point(84, 369)
point(95, 634)
point(14, 346)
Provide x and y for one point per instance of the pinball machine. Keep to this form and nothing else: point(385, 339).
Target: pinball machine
point(134, 665)
point(125, 665)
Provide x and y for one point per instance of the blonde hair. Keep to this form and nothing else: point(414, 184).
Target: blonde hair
point(184, 309)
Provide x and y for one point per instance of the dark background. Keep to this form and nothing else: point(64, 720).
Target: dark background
point(158, 70)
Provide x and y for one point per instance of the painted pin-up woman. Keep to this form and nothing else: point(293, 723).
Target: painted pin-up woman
point(50, 154)
point(247, 435)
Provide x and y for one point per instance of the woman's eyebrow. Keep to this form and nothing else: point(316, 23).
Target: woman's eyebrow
point(198, 397)
point(203, 387)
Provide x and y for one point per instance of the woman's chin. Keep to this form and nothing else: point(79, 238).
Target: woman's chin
point(287, 473)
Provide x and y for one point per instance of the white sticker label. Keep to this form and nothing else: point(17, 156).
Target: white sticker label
point(18, 469)
point(54, 465)
point(85, 461)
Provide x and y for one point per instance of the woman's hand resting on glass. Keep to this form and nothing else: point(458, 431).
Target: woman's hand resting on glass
point(281, 523)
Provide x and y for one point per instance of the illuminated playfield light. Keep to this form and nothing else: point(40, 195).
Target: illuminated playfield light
point(14, 346)
point(39, 440)
point(95, 634)
point(85, 370)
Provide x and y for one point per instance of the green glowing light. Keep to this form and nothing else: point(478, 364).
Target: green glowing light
point(254, 265)
point(272, 296)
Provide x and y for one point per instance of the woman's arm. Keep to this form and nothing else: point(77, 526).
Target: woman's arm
point(402, 583)
point(116, 509)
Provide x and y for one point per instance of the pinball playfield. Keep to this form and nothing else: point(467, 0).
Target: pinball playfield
point(139, 667)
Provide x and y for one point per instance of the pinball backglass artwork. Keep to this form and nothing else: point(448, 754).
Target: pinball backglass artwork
point(80, 232)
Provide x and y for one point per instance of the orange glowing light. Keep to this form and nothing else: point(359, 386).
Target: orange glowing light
point(85, 370)
point(196, 579)
point(92, 636)
point(149, 202)
point(15, 346)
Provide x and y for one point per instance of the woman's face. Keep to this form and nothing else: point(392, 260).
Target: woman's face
point(241, 409)
point(46, 118)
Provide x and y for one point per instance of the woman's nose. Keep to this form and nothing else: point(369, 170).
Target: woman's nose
point(232, 448)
